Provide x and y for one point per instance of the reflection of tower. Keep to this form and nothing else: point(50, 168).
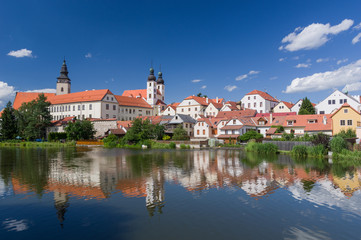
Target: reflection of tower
point(61, 204)
point(155, 193)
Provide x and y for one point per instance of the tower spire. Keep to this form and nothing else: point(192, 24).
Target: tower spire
point(160, 75)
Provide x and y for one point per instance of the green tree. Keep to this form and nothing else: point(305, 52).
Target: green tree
point(349, 133)
point(33, 118)
point(143, 130)
point(180, 133)
point(306, 107)
point(80, 130)
point(8, 122)
point(250, 135)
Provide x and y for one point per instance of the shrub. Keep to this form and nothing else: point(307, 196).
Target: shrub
point(338, 144)
point(180, 133)
point(111, 141)
point(183, 146)
point(56, 136)
point(288, 137)
point(321, 139)
point(349, 133)
point(166, 137)
point(172, 145)
point(250, 135)
point(299, 150)
point(266, 148)
point(316, 151)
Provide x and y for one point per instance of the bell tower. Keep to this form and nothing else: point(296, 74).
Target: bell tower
point(63, 84)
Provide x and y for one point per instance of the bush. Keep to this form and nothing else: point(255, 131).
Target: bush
point(111, 141)
point(250, 135)
point(299, 150)
point(349, 133)
point(166, 137)
point(288, 137)
point(180, 133)
point(317, 151)
point(183, 146)
point(338, 144)
point(321, 139)
point(266, 148)
point(172, 145)
point(56, 136)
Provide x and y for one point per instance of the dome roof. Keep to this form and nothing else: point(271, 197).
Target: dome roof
point(151, 76)
point(160, 78)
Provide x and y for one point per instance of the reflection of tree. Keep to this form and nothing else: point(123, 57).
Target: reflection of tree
point(308, 185)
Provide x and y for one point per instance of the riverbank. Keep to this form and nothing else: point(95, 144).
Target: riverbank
point(29, 144)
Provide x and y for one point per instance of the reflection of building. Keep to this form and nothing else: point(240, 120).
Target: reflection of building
point(61, 204)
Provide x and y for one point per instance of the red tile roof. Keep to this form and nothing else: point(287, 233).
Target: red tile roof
point(124, 124)
point(232, 105)
point(137, 93)
point(302, 121)
point(203, 100)
point(63, 121)
point(25, 97)
point(239, 113)
point(263, 95)
point(345, 105)
point(288, 104)
point(85, 96)
point(132, 102)
point(275, 114)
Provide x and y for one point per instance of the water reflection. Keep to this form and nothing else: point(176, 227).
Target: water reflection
point(100, 173)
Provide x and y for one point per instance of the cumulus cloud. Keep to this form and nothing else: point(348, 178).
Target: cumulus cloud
point(204, 87)
point(21, 53)
point(357, 27)
point(45, 90)
point(352, 87)
point(282, 59)
point(322, 60)
point(273, 78)
point(303, 65)
point(196, 80)
point(6, 93)
point(348, 74)
point(313, 36)
point(88, 55)
point(230, 88)
point(244, 76)
point(356, 39)
point(342, 61)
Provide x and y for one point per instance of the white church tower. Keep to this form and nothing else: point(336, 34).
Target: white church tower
point(63, 83)
point(160, 86)
point(151, 88)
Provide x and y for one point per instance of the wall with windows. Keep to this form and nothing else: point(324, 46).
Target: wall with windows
point(169, 111)
point(202, 130)
point(345, 118)
point(280, 108)
point(335, 101)
point(258, 103)
point(80, 110)
point(191, 107)
point(130, 113)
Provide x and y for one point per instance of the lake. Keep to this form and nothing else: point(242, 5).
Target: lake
point(96, 193)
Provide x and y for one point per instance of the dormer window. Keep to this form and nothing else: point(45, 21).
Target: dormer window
point(312, 120)
point(234, 121)
point(290, 123)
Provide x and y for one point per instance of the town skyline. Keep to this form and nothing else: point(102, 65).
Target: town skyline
point(288, 53)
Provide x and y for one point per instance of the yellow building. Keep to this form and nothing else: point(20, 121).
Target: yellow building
point(344, 118)
point(283, 107)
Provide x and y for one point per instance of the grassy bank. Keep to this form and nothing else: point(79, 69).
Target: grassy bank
point(27, 144)
point(264, 148)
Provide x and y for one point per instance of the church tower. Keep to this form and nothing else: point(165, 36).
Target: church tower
point(63, 83)
point(160, 85)
point(151, 88)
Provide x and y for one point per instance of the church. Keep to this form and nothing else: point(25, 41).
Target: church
point(100, 104)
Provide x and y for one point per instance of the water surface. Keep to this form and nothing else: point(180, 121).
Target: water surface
point(95, 193)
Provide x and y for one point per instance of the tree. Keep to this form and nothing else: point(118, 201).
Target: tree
point(33, 118)
point(201, 95)
point(143, 130)
point(250, 135)
point(8, 122)
point(180, 133)
point(80, 130)
point(306, 107)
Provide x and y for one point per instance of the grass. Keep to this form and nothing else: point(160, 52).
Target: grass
point(36, 144)
point(265, 148)
point(304, 151)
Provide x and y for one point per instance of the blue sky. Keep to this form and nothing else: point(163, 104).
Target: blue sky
point(232, 47)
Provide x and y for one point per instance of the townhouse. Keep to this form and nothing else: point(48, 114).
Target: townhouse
point(195, 106)
point(283, 106)
point(260, 101)
point(130, 108)
point(310, 124)
point(346, 117)
point(334, 101)
point(235, 128)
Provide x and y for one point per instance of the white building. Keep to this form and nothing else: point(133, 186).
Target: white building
point(335, 101)
point(170, 110)
point(260, 101)
point(130, 108)
point(195, 106)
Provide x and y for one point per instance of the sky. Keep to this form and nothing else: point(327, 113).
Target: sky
point(291, 49)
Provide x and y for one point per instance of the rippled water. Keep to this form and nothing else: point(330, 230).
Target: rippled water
point(97, 193)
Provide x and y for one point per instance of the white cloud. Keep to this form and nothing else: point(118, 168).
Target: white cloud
point(230, 88)
point(313, 36)
point(352, 87)
point(45, 90)
point(196, 80)
point(322, 60)
point(244, 76)
point(21, 53)
point(357, 27)
point(356, 39)
point(303, 65)
point(348, 74)
point(342, 61)
point(296, 58)
point(6, 93)
point(204, 87)
point(88, 55)
point(273, 78)
point(282, 59)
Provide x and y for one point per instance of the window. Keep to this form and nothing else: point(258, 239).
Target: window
point(345, 100)
point(182, 110)
point(249, 98)
point(90, 116)
point(345, 111)
point(234, 121)
point(78, 107)
point(107, 98)
point(150, 84)
point(62, 89)
point(83, 107)
point(74, 108)
point(341, 101)
point(83, 116)
point(333, 101)
point(106, 116)
point(150, 95)
point(114, 116)
point(198, 132)
point(342, 122)
point(249, 105)
point(290, 123)
point(195, 109)
point(186, 125)
point(322, 112)
point(189, 109)
point(329, 102)
point(112, 98)
point(90, 107)
point(349, 122)
point(260, 104)
point(255, 104)
point(204, 132)
point(114, 107)
point(133, 110)
point(107, 106)
point(254, 97)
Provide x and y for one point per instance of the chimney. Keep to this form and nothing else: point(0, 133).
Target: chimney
point(324, 120)
point(271, 117)
point(217, 99)
point(206, 100)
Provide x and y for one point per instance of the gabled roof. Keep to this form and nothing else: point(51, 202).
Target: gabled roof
point(173, 105)
point(25, 97)
point(63, 121)
point(124, 124)
point(276, 120)
point(135, 93)
point(132, 102)
point(203, 100)
point(184, 118)
point(212, 121)
point(275, 114)
point(263, 95)
point(85, 96)
point(216, 105)
point(287, 104)
point(232, 105)
point(160, 102)
point(239, 113)
point(343, 106)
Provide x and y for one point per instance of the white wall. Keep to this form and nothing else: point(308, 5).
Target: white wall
point(332, 103)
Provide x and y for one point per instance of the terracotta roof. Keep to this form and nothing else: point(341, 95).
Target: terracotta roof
point(124, 124)
point(345, 105)
point(211, 121)
point(288, 104)
point(217, 105)
point(239, 113)
point(276, 120)
point(160, 102)
point(63, 121)
point(232, 127)
point(135, 93)
point(263, 95)
point(118, 131)
point(271, 131)
point(302, 121)
point(25, 97)
point(203, 100)
point(275, 114)
point(232, 105)
point(132, 102)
